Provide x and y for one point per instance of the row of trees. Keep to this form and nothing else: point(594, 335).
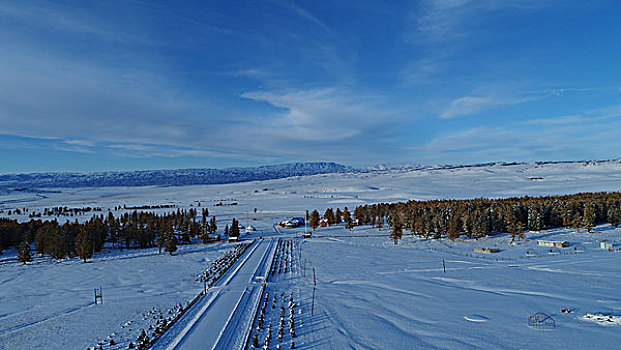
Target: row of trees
point(481, 216)
point(330, 218)
point(128, 230)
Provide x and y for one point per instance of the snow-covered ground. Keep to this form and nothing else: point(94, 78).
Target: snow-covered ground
point(374, 294)
point(281, 198)
point(370, 292)
point(49, 304)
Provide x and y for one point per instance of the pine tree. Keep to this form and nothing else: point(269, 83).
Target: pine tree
point(314, 220)
point(40, 239)
point(516, 230)
point(171, 244)
point(576, 221)
point(566, 215)
point(397, 233)
point(83, 244)
point(24, 254)
point(588, 219)
point(453, 228)
point(205, 232)
point(535, 220)
point(234, 230)
point(161, 240)
point(338, 216)
point(347, 219)
point(614, 214)
point(185, 233)
point(328, 216)
point(57, 243)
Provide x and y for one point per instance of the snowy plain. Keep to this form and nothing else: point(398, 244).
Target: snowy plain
point(370, 293)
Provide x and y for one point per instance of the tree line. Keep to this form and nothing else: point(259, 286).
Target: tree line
point(136, 229)
point(481, 216)
point(330, 217)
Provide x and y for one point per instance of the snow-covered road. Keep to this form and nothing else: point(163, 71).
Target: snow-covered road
point(221, 319)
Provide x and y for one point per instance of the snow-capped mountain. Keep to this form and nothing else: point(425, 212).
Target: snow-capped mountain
point(178, 177)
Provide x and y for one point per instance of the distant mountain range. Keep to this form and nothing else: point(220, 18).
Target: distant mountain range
point(183, 177)
point(180, 177)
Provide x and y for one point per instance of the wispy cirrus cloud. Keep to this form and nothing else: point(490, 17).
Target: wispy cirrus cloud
point(348, 125)
point(320, 114)
point(441, 29)
point(473, 104)
point(303, 13)
point(441, 21)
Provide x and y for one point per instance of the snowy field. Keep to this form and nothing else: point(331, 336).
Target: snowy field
point(50, 304)
point(282, 198)
point(370, 293)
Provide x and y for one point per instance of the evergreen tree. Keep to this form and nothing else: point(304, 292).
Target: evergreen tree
point(338, 216)
point(397, 232)
point(171, 244)
point(588, 219)
point(57, 244)
point(328, 216)
point(614, 214)
point(112, 229)
point(205, 232)
point(234, 230)
point(83, 245)
point(453, 228)
point(535, 219)
point(516, 229)
point(212, 225)
point(24, 254)
point(314, 220)
point(161, 240)
point(41, 238)
point(185, 233)
point(347, 219)
point(576, 221)
point(567, 218)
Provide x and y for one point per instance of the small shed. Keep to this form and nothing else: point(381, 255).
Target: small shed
point(554, 244)
point(486, 250)
point(250, 228)
point(541, 320)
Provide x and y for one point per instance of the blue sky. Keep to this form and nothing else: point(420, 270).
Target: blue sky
point(123, 85)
